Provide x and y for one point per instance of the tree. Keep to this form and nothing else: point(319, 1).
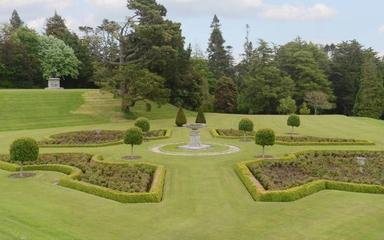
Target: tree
point(200, 118)
point(180, 118)
point(218, 57)
point(15, 20)
point(287, 106)
point(57, 59)
point(370, 98)
point(265, 84)
point(347, 59)
point(304, 110)
point(317, 100)
point(265, 137)
point(133, 136)
point(55, 26)
point(225, 96)
point(143, 124)
point(133, 83)
point(293, 121)
point(307, 64)
point(23, 150)
point(245, 125)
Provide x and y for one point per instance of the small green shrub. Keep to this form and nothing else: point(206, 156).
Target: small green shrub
point(304, 110)
point(24, 150)
point(287, 106)
point(143, 124)
point(293, 121)
point(133, 136)
point(246, 126)
point(265, 137)
point(200, 118)
point(148, 107)
point(180, 118)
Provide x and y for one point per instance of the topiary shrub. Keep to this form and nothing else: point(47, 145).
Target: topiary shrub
point(23, 150)
point(265, 137)
point(304, 110)
point(133, 136)
point(293, 121)
point(143, 124)
point(180, 118)
point(245, 125)
point(200, 118)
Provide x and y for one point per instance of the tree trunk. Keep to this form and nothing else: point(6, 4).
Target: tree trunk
point(293, 129)
point(125, 104)
point(131, 150)
point(263, 151)
point(21, 170)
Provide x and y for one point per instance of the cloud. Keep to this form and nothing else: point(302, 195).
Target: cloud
point(109, 3)
point(58, 4)
point(381, 29)
point(297, 12)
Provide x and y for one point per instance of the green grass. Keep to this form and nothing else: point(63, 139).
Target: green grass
point(203, 199)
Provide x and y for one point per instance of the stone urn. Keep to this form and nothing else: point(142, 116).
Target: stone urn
point(194, 137)
point(54, 84)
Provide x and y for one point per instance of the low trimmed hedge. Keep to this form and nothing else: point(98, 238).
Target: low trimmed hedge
point(73, 174)
point(215, 134)
point(168, 134)
point(258, 193)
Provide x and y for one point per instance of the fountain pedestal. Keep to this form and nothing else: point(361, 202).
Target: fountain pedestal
point(194, 138)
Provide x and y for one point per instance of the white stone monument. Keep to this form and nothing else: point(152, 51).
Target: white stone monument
point(54, 84)
point(194, 137)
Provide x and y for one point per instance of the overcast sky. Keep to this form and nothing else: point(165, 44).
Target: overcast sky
point(277, 21)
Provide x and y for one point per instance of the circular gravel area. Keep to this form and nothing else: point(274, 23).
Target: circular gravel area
point(217, 149)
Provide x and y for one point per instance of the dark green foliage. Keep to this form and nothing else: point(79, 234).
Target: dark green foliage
point(265, 137)
point(180, 118)
point(200, 118)
point(304, 110)
point(293, 121)
point(225, 96)
point(307, 167)
point(347, 59)
point(23, 150)
point(15, 20)
point(143, 124)
point(370, 98)
point(218, 57)
point(246, 125)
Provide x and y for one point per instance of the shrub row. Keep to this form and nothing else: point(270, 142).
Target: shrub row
point(151, 135)
point(75, 176)
point(290, 140)
point(258, 193)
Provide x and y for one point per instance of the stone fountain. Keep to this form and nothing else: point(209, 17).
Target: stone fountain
point(194, 137)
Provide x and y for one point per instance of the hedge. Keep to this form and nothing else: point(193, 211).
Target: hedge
point(168, 134)
point(215, 134)
point(260, 194)
point(71, 180)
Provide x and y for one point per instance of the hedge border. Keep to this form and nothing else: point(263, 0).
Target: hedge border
point(258, 193)
point(215, 134)
point(71, 180)
point(168, 134)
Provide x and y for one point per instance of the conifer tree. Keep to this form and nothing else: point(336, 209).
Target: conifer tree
point(15, 20)
point(370, 98)
point(225, 96)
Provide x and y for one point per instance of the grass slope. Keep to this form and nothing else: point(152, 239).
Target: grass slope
point(204, 199)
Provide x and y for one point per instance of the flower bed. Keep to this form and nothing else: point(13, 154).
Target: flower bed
point(302, 174)
point(118, 181)
point(97, 138)
point(291, 140)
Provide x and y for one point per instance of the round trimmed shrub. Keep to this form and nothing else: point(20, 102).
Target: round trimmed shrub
point(24, 150)
point(293, 121)
point(133, 136)
point(246, 125)
point(143, 124)
point(265, 137)
point(180, 118)
point(200, 118)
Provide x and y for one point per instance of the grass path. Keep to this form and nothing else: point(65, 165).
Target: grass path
point(204, 199)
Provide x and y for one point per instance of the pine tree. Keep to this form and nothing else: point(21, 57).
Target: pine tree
point(225, 96)
point(370, 98)
point(218, 56)
point(15, 20)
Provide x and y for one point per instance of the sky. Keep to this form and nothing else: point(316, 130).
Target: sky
point(276, 21)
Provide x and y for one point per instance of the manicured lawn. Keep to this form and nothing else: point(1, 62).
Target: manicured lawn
point(204, 199)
